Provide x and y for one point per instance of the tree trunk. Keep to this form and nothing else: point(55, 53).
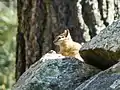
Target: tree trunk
point(39, 21)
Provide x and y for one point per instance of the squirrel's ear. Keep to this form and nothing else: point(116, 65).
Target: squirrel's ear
point(66, 32)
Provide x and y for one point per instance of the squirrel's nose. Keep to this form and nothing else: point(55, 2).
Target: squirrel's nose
point(54, 41)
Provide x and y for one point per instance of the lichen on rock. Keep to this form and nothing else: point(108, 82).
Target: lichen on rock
point(55, 72)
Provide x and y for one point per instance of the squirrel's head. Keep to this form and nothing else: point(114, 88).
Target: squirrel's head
point(65, 36)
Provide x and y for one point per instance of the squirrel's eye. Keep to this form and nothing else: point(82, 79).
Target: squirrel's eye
point(59, 37)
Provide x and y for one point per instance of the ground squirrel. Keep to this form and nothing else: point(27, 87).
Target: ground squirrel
point(67, 46)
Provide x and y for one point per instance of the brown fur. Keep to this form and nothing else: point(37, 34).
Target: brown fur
point(67, 46)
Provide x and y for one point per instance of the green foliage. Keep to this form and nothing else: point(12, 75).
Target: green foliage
point(8, 26)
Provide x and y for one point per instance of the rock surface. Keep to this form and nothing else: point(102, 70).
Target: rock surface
point(105, 80)
point(55, 72)
point(103, 50)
